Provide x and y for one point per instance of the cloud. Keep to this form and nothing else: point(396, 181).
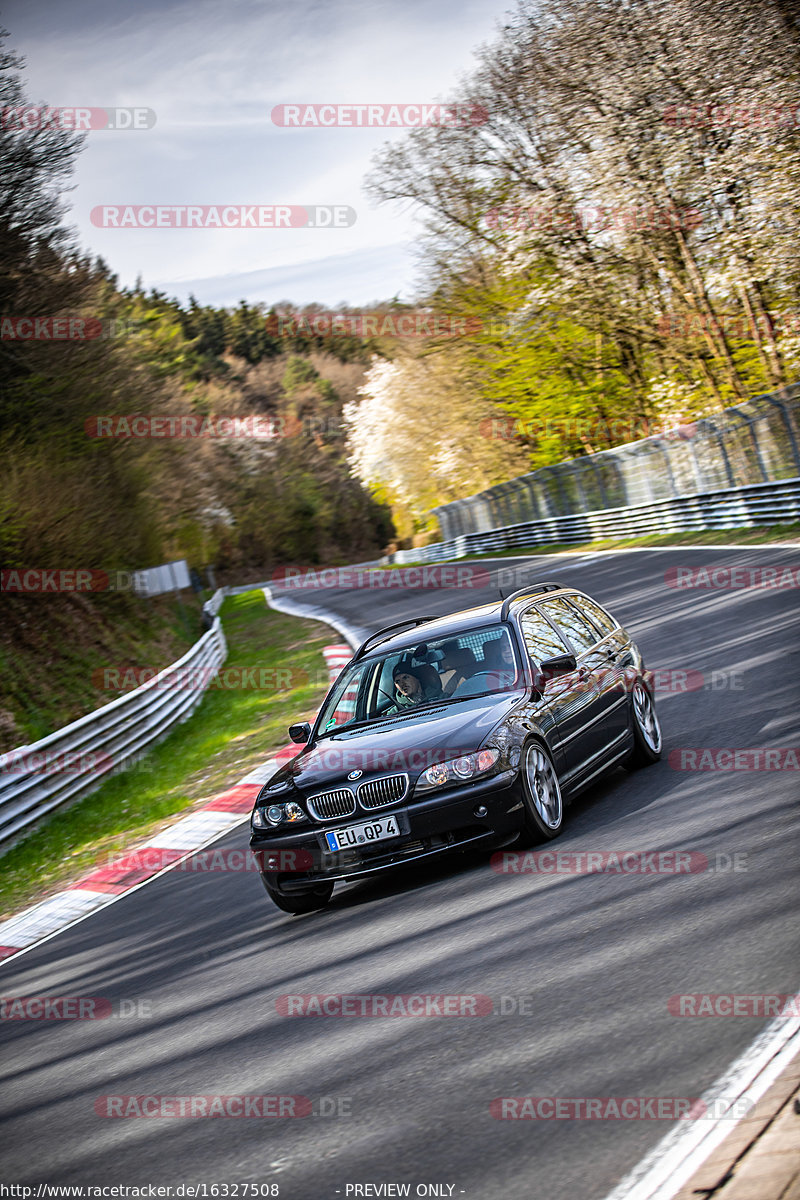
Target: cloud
point(212, 74)
point(358, 278)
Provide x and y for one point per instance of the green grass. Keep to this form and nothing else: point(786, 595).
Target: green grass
point(762, 535)
point(230, 733)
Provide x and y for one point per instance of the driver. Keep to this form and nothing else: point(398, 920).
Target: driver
point(409, 688)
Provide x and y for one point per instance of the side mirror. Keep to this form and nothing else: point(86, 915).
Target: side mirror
point(549, 668)
point(301, 732)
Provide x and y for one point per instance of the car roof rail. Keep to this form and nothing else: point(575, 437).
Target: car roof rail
point(362, 649)
point(528, 591)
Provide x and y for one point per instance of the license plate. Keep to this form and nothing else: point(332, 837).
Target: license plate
point(353, 836)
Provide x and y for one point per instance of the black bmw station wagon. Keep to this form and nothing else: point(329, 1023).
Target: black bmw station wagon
point(447, 732)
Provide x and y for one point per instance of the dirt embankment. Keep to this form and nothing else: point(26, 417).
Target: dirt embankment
point(60, 655)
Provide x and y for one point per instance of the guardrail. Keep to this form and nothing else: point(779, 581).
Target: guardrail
point(74, 761)
point(752, 443)
point(212, 606)
point(755, 504)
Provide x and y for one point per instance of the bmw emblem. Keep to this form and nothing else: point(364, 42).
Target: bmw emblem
point(355, 774)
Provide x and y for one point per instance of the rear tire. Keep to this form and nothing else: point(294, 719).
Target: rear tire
point(647, 737)
point(541, 796)
point(297, 903)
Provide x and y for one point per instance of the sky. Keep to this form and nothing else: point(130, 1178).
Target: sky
point(212, 73)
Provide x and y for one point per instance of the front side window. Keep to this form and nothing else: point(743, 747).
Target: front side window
point(347, 696)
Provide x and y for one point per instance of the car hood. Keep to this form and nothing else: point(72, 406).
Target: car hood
point(404, 743)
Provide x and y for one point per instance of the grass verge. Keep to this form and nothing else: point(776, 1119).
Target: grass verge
point(763, 535)
point(230, 733)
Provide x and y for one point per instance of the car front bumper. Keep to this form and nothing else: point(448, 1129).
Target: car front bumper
point(434, 824)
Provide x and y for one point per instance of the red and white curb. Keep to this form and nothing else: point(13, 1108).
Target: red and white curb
point(144, 863)
point(336, 658)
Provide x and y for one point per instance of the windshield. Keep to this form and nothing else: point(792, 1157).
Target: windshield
point(433, 671)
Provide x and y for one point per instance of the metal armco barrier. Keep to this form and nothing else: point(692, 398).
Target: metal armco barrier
point(212, 606)
point(753, 443)
point(756, 504)
point(74, 761)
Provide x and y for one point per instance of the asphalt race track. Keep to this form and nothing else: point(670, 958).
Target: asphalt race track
point(579, 967)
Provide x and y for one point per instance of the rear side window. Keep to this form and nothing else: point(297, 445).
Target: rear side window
point(580, 633)
point(602, 620)
point(541, 639)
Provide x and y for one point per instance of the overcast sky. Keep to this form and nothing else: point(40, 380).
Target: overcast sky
point(212, 72)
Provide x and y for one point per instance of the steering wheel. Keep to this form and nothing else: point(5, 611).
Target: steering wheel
point(466, 688)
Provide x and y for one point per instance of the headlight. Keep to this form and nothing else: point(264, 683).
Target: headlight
point(467, 766)
point(275, 814)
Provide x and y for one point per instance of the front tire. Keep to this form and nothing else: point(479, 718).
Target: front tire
point(298, 903)
point(647, 737)
point(541, 796)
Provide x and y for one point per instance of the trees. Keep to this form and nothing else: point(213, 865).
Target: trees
point(419, 437)
point(34, 166)
point(68, 497)
point(623, 220)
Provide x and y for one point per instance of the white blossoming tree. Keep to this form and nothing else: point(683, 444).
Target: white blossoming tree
point(420, 436)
